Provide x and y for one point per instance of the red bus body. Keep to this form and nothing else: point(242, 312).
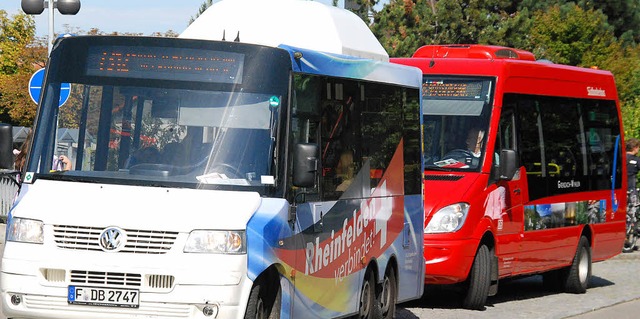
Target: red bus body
point(497, 214)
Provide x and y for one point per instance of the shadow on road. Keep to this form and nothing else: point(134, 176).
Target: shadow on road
point(450, 297)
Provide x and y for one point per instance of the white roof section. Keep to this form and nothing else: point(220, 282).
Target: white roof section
point(298, 23)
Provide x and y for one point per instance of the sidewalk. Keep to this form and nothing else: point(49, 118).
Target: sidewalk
point(625, 310)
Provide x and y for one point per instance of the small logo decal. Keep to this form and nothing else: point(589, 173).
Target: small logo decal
point(595, 91)
point(112, 239)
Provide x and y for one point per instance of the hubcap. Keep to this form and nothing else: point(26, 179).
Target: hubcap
point(386, 295)
point(583, 267)
point(364, 299)
point(260, 309)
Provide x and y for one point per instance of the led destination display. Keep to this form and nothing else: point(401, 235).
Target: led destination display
point(452, 89)
point(165, 63)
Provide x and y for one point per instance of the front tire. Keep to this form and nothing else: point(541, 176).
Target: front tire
point(479, 280)
point(579, 274)
point(264, 302)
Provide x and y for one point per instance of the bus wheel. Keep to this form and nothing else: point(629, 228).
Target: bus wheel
point(479, 280)
point(578, 275)
point(263, 303)
point(368, 307)
point(389, 295)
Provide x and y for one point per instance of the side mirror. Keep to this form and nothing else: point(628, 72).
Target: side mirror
point(508, 167)
point(6, 146)
point(305, 165)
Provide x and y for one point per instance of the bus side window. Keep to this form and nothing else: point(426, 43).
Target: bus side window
point(529, 122)
point(506, 139)
point(305, 128)
point(337, 139)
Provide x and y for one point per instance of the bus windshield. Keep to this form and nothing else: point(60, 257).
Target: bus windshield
point(456, 119)
point(163, 116)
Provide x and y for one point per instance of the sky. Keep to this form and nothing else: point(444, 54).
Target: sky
point(132, 16)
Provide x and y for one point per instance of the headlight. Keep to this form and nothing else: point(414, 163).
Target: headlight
point(448, 219)
point(25, 230)
point(216, 242)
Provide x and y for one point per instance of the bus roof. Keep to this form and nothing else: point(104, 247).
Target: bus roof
point(516, 71)
point(323, 63)
point(304, 24)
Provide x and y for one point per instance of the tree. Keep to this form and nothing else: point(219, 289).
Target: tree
point(21, 55)
point(404, 25)
point(568, 34)
point(203, 7)
point(362, 8)
point(622, 15)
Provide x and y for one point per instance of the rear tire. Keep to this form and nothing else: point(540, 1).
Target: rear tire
point(579, 274)
point(389, 295)
point(368, 307)
point(479, 280)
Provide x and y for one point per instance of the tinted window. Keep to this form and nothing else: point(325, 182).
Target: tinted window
point(566, 145)
point(358, 127)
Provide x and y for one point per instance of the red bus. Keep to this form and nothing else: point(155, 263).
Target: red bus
point(524, 162)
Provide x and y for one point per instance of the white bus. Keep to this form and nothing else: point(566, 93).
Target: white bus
point(221, 179)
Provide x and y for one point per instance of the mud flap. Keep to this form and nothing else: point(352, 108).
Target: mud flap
point(493, 288)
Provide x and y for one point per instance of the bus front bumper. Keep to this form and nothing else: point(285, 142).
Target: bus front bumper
point(448, 262)
point(27, 291)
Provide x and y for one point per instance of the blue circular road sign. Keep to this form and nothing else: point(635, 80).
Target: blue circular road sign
point(35, 87)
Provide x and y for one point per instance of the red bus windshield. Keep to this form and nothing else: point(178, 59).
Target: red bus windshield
point(456, 120)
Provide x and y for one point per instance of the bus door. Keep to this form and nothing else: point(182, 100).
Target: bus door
point(508, 196)
point(552, 151)
point(330, 283)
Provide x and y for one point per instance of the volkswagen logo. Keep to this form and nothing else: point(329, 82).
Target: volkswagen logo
point(112, 239)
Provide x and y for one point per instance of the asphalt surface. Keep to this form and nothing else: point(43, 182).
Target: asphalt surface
point(614, 293)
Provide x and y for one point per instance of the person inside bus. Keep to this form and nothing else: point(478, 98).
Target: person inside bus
point(474, 141)
point(345, 170)
point(60, 163)
point(633, 167)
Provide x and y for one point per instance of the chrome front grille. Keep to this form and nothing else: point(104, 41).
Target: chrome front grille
point(138, 241)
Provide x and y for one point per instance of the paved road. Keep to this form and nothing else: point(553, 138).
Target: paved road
point(614, 293)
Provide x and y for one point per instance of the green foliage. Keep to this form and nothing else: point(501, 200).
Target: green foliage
point(570, 35)
point(404, 25)
point(21, 54)
point(623, 16)
point(203, 7)
point(362, 8)
point(602, 34)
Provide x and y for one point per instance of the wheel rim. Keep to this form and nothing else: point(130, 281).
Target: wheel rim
point(386, 295)
point(583, 267)
point(365, 296)
point(260, 309)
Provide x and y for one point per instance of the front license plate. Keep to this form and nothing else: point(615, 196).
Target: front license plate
point(107, 297)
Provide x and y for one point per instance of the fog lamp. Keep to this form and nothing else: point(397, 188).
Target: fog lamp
point(16, 299)
point(210, 310)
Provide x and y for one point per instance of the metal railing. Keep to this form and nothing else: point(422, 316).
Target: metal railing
point(8, 189)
